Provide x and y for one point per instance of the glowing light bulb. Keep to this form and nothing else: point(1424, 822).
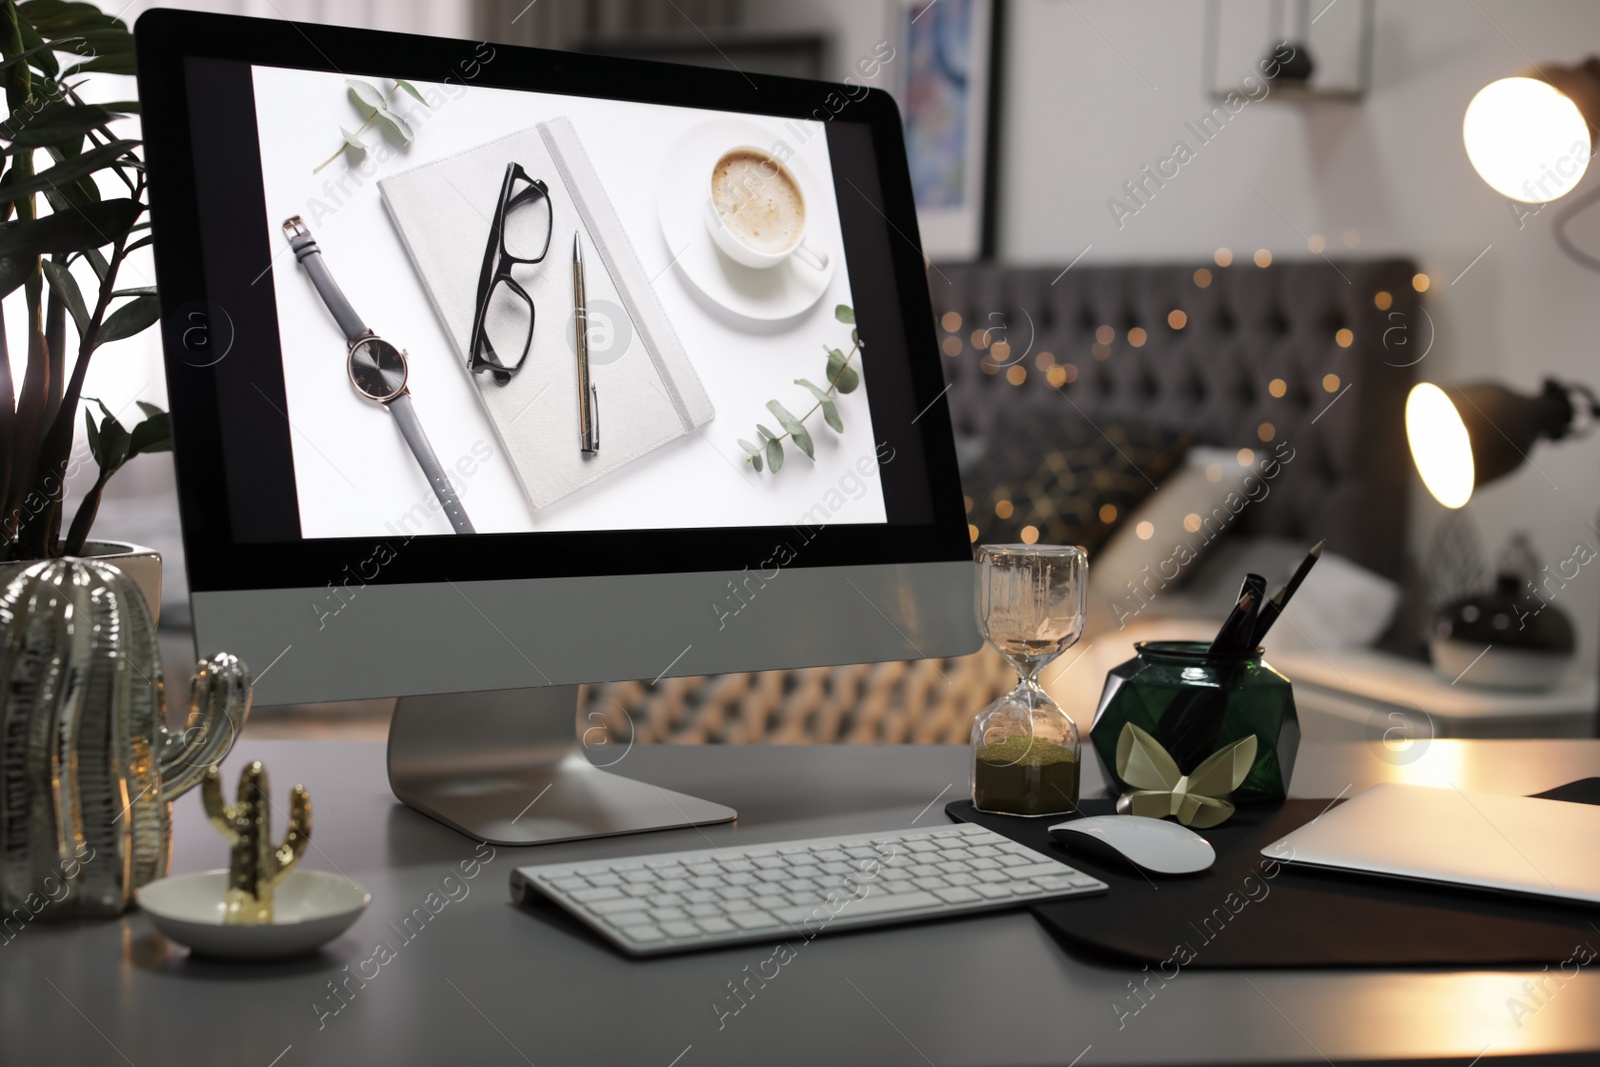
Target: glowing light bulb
point(1440, 445)
point(1526, 139)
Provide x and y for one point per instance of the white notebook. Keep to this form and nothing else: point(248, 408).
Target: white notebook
point(648, 396)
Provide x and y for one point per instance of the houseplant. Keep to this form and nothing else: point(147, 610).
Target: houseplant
point(60, 152)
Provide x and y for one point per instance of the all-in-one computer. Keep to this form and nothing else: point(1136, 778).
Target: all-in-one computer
point(494, 371)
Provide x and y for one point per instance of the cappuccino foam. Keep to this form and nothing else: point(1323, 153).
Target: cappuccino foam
point(758, 201)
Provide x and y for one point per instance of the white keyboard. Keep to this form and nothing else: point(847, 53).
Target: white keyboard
point(648, 905)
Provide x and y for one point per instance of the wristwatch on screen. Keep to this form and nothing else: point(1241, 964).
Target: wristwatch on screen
point(377, 369)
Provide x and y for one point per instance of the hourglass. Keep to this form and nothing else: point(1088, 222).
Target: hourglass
point(1030, 606)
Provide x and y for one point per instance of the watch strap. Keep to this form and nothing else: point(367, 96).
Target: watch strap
point(310, 257)
point(411, 429)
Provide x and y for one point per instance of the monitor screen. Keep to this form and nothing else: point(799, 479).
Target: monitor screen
point(673, 195)
point(548, 303)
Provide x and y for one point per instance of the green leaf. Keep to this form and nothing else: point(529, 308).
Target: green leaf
point(122, 107)
point(66, 289)
point(104, 63)
point(137, 290)
point(835, 361)
point(154, 434)
point(11, 61)
point(775, 455)
point(136, 315)
point(90, 226)
point(766, 434)
point(830, 410)
point(60, 123)
point(147, 408)
point(412, 89)
point(845, 313)
point(352, 144)
point(94, 435)
point(395, 128)
point(64, 174)
point(56, 17)
point(847, 380)
point(752, 453)
point(140, 243)
point(855, 336)
point(802, 437)
point(365, 96)
point(110, 446)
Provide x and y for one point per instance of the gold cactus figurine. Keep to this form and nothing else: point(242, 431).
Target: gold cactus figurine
point(255, 866)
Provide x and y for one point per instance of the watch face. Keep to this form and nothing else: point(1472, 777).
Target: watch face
point(377, 368)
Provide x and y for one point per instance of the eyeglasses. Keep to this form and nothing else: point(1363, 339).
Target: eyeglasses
point(519, 233)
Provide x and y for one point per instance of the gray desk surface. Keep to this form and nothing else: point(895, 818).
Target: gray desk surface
point(485, 982)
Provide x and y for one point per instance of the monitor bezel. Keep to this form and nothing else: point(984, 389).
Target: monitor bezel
point(217, 560)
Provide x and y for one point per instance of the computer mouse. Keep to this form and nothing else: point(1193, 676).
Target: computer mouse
point(1153, 845)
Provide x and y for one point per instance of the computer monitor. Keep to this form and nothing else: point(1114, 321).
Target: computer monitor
point(495, 370)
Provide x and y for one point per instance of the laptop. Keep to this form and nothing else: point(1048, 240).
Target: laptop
point(1510, 844)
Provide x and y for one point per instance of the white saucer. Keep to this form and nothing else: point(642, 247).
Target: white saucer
point(310, 908)
point(753, 296)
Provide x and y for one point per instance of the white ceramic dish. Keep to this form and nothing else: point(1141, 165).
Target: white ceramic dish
point(760, 297)
point(310, 908)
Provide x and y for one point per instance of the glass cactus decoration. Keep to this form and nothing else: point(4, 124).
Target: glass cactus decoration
point(88, 767)
point(256, 865)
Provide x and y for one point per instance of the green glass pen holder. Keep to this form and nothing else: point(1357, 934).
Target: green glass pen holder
point(1194, 704)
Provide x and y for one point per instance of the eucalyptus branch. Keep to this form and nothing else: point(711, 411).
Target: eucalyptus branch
point(841, 377)
point(833, 385)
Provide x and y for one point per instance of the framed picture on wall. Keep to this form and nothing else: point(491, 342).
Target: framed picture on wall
point(948, 93)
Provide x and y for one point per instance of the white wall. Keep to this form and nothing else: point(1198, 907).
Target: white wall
point(1081, 120)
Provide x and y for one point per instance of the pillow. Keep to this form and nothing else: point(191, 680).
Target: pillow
point(1157, 549)
point(1072, 481)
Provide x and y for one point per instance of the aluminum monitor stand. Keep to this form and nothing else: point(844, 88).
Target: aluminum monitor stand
point(505, 767)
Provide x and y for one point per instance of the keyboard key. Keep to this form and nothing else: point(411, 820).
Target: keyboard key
point(612, 907)
point(958, 895)
point(639, 890)
point(733, 892)
point(770, 901)
point(699, 896)
point(961, 879)
point(1038, 870)
point(716, 926)
point(604, 879)
point(991, 892)
point(665, 900)
point(662, 915)
point(702, 868)
point(703, 911)
point(1024, 888)
point(938, 881)
point(673, 885)
point(639, 875)
point(584, 896)
point(741, 904)
point(628, 918)
point(645, 933)
point(567, 885)
point(681, 929)
point(924, 870)
point(923, 845)
point(752, 920)
point(953, 868)
point(770, 863)
point(1054, 881)
point(1082, 881)
point(779, 875)
point(706, 881)
point(993, 877)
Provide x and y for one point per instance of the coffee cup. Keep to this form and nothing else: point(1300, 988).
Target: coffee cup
point(756, 212)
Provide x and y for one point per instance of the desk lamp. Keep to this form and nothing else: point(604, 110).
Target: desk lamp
point(1529, 137)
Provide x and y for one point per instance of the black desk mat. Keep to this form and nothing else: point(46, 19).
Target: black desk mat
point(1249, 912)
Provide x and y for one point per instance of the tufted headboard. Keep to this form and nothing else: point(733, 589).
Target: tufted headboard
point(1241, 356)
point(1016, 336)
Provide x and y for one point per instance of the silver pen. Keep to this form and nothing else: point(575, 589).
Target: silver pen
point(588, 395)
